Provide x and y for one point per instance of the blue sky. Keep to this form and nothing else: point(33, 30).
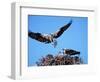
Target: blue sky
point(74, 38)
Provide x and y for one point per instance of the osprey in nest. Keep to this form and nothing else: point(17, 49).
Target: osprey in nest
point(70, 52)
point(49, 38)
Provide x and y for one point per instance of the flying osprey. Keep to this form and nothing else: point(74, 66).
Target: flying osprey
point(49, 38)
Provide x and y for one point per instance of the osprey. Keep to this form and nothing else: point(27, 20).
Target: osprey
point(49, 38)
point(70, 52)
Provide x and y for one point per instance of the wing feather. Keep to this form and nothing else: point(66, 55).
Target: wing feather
point(38, 36)
point(61, 30)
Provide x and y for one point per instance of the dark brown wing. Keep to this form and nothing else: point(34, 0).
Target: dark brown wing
point(61, 30)
point(71, 52)
point(38, 37)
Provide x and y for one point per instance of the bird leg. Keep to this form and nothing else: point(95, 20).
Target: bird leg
point(54, 43)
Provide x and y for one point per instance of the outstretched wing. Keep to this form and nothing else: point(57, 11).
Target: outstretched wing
point(61, 30)
point(38, 37)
